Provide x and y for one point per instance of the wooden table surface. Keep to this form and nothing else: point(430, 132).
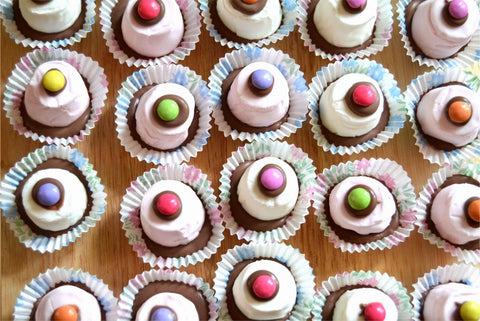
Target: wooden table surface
point(104, 249)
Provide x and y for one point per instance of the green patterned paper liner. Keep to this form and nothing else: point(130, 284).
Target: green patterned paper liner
point(130, 213)
point(19, 171)
point(305, 171)
point(388, 172)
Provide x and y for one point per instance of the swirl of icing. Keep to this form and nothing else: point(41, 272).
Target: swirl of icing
point(180, 230)
point(434, 121)
point(380, 217)
point(255, 110)
point(59, 110)
point(52, 16)
point(183, 308)
point(261, 205)
point(275, 308)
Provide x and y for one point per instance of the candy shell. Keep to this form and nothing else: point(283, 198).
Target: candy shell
point(470, 311)
point(66, 313)
point(459, 112)
point(272, 179)
point(168, 110)
point(163, 314)
point(48, 194)
point(359, 199)
point(168, 204)
point(250, 1)
point(148, 9)
point(53, 81)
point(355, 4)
point(374, 312)
point(264, 287)
point(364, 95)
point(458, 9)
point(473, 210)
point(262, 79)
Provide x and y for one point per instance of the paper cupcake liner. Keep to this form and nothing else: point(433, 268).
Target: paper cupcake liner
point(7, 15)
point(388, 172)
point(390, 90)
point(464, 273)
point(388, 284)
point(156, 75)
point(425, 198)
point(21, 169)
point(306, 175)
point(20, 79)
point(289, 69)
point(414, 92)
point(127, 297)
point(382, 34)
point(46, 281)
point(191, 18)
point(130, 213)
point(292, 258)
point(466, 57)
point(287, 26)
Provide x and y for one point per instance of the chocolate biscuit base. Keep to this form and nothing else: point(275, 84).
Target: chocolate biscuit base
point(132, 124)
point(455, 179)
point(52, 163)
point(329, 306)
point(29, 32)
point(189, 292)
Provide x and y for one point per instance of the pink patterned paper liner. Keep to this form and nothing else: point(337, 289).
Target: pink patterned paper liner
point(20, 78)
point(388, 172)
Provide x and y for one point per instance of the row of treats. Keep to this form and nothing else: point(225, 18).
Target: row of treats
point(353, 104)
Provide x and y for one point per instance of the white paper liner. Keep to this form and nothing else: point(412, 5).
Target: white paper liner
point(390, 90)
point(306, 175)
point(289, 8)
point(382, 281)
point(130, 213)
point(464, 273)
point(47, 280)
point(424, 199)
point(413, 93)
point(388, 172)
point(127, 297)
point(466, 57)
point(7, 16)
point(381, 36)
point(291, 257)
point(191, 19)
point(20, 170)
point(290, 70)
point(19, 80)
point(156, 75)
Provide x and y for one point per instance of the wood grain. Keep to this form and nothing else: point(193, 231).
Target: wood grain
point(104, 250)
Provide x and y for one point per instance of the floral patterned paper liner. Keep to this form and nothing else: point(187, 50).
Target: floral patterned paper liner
point(20, 79)
point(127, 297)
point(425, 198)
point(292, 258)
point(45, 281)
point(286, 65)
point(305, 172)
point(464, 273)
point(155, 75)
point(389, 88)
point(7, 15)
point(20, 170)
point(191, 17)
point(413, 93)
point(388, 172)
point(130, 213)
point(388, 284)
point(466, 57)
point(289, 8)
point(383, 32)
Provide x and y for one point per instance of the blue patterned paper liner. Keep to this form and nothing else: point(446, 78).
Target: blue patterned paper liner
point(152, 75)
point(20, 170)
point(47, 280)
point(287, 66)
point(390, 90)
point(389, 173)
point(382, 281)
point(414, 92)
point(127, 297)
point(464, 58)
point(424, 199)
point(7, 15)
point(291, 257)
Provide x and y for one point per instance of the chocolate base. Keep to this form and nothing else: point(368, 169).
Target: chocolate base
point(233, 121)
point(189, 292)
point(455, 179)
point(329, 306)
point(29, 32)
point(132, 124)
point(52, 163)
